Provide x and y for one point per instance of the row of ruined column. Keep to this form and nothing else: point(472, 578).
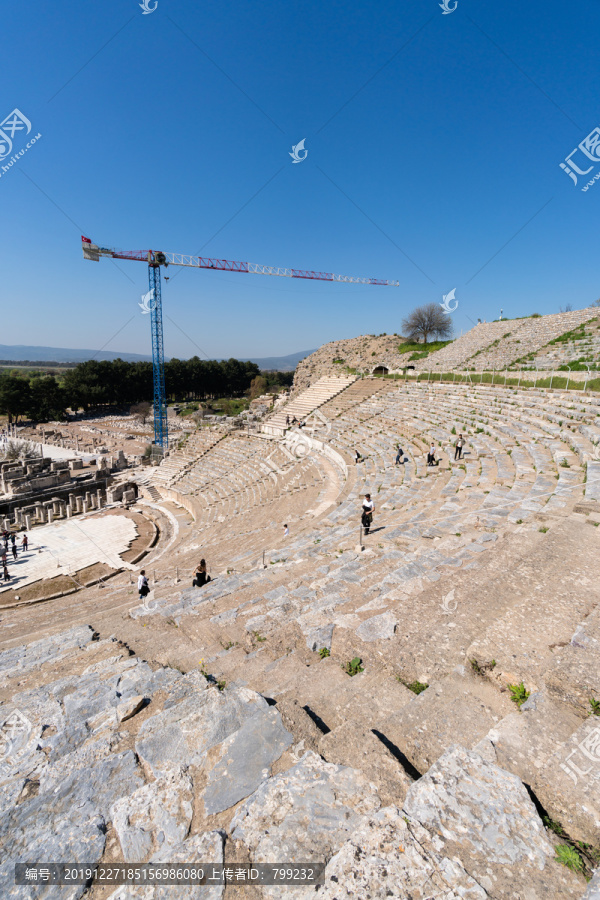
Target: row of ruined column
point(43, 512)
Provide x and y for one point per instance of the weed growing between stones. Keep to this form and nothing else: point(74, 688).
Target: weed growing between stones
point(519, 694)
point(417, 687)
point(569, 857)
point(324, 653)
point(218, 682)
point(519, 521)
point(258, 637)
point(543, 529)
point(482, 668)
point(595, 704)
point(228, 645)
point(353, 667)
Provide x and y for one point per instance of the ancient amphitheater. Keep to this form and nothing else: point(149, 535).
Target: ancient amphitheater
point(415, 709)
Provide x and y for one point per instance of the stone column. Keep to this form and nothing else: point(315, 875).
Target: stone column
point(79, 502)
point(99, 498)
point(50, 516)
point(85, 506)
point(28, 523)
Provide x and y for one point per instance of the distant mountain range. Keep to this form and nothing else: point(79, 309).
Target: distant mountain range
point(24, 353)
point(279, 363)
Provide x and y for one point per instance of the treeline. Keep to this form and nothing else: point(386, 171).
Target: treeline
point(99, 385)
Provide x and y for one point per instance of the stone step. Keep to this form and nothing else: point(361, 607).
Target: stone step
point(462, 706)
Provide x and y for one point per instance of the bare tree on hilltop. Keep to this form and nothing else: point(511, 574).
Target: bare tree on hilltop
point(426, 321)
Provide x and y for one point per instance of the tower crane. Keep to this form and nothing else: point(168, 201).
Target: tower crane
point(157, 258)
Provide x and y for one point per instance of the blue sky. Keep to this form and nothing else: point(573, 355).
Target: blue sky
point(434, 144)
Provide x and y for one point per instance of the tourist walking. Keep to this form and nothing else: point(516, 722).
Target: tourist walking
point(24, 543)
point(286, 531)
point(200, 576)
point(287, 421)
point(6, 575)
point(14, 551)
point(399, 456)
point(367, 513)
point(3, 556)
point(459, 447)
point(431, 461)
point(13, 538)
point(143, 586)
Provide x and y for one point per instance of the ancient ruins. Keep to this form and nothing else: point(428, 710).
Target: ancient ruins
point(417, 709)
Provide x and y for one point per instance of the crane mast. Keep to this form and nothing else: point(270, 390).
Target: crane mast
point(158, 258)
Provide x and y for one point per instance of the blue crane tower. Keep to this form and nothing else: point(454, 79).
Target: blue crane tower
point(156, 259)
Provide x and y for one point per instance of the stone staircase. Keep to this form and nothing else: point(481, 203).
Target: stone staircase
point(306, 402)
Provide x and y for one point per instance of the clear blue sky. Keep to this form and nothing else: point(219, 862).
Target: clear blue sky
point(433, 140)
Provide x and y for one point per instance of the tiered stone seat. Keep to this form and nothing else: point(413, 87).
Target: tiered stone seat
point(553, 356)
point(306, 402)
point(177, 462)
point(478, 574)
point(497, 345)
point(528, 336)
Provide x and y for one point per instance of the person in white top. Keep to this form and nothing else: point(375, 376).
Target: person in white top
point(143, 586)
point(431, 455)
point(286, 531)
point(367, 513)
point(459, 447)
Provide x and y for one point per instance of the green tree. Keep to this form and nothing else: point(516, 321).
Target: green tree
point(46, 400)
point(15, 395)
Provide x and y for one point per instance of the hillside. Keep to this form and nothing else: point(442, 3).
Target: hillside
point(362, 353)
point(543, 341)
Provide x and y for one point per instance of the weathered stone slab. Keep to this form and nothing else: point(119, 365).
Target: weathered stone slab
point(247, 758)
point(205, 847)
point(488, 822)
point(316, 638)
point(155, 817)
point(385, 858)
point(377, 628)
point(522, 742)
point(194, 719)
point(25, 658)
point(304, 814)
point(569, 783)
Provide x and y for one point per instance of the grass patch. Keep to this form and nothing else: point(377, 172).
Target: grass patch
point(417, 687)
point(519, 693)
point(353, 666)
point(568, 856)
point(258, 637)
point(595, 705)
point(324, 653)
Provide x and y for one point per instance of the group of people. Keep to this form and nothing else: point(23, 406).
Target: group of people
point(10, 537)
point(368, 505)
